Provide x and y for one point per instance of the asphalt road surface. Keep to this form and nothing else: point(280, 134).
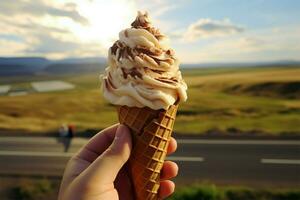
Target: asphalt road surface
point(249, 162)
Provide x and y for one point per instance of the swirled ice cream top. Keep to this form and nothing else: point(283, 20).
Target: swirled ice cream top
point(142, 69)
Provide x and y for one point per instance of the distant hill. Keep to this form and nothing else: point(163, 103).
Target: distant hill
point(36, 62)
point(22, 65)
point(17, 66)
point(13, 66)
point(73, 68)
point(242, 64)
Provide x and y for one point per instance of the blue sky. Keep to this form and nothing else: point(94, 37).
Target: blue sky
point(254, 13)
point(199, 30)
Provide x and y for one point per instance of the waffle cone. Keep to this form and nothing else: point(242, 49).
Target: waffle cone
point(151, 132)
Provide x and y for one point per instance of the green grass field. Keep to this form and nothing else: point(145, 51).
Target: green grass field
point(212, 192)
point(34, 189)
point(245, 100)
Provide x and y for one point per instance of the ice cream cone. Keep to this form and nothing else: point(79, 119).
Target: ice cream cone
point(144, 80)
point(151, 132)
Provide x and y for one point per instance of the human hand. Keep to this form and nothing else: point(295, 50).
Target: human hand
point(99, 170)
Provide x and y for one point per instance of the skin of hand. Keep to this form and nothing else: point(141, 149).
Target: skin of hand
point(99, 170)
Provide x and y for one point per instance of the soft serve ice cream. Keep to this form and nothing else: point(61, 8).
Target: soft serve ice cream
point(142, 69)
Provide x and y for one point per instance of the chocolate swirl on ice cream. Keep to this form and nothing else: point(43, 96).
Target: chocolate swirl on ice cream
point(143, 70)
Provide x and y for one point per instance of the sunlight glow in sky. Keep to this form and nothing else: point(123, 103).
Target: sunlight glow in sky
point(199, 31)
point(105, 20)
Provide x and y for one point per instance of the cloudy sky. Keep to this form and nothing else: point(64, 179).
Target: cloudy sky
point(199, 30)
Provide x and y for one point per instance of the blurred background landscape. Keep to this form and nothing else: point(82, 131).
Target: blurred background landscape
point(238, 133)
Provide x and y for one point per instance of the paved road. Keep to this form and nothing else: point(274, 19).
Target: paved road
point(251, 162)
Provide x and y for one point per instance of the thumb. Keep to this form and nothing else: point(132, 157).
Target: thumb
point(105, 168)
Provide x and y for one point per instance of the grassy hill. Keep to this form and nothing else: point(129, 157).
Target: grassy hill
point(236, 100)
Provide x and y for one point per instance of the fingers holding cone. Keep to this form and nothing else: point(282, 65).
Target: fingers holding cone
point(169, 170)
point(172, 146)
point(167, 187)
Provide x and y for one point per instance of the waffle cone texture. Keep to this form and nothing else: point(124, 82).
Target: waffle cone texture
point(151, 132)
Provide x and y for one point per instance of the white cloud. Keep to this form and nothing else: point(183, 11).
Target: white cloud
point(256, 45)
point(9, 48)
point(62, 28)
point(45, 43)
point(207, 28)
point(54, 47)
point(56, 28)
point(40, 8)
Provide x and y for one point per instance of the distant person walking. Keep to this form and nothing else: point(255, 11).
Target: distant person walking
point(66, 133)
